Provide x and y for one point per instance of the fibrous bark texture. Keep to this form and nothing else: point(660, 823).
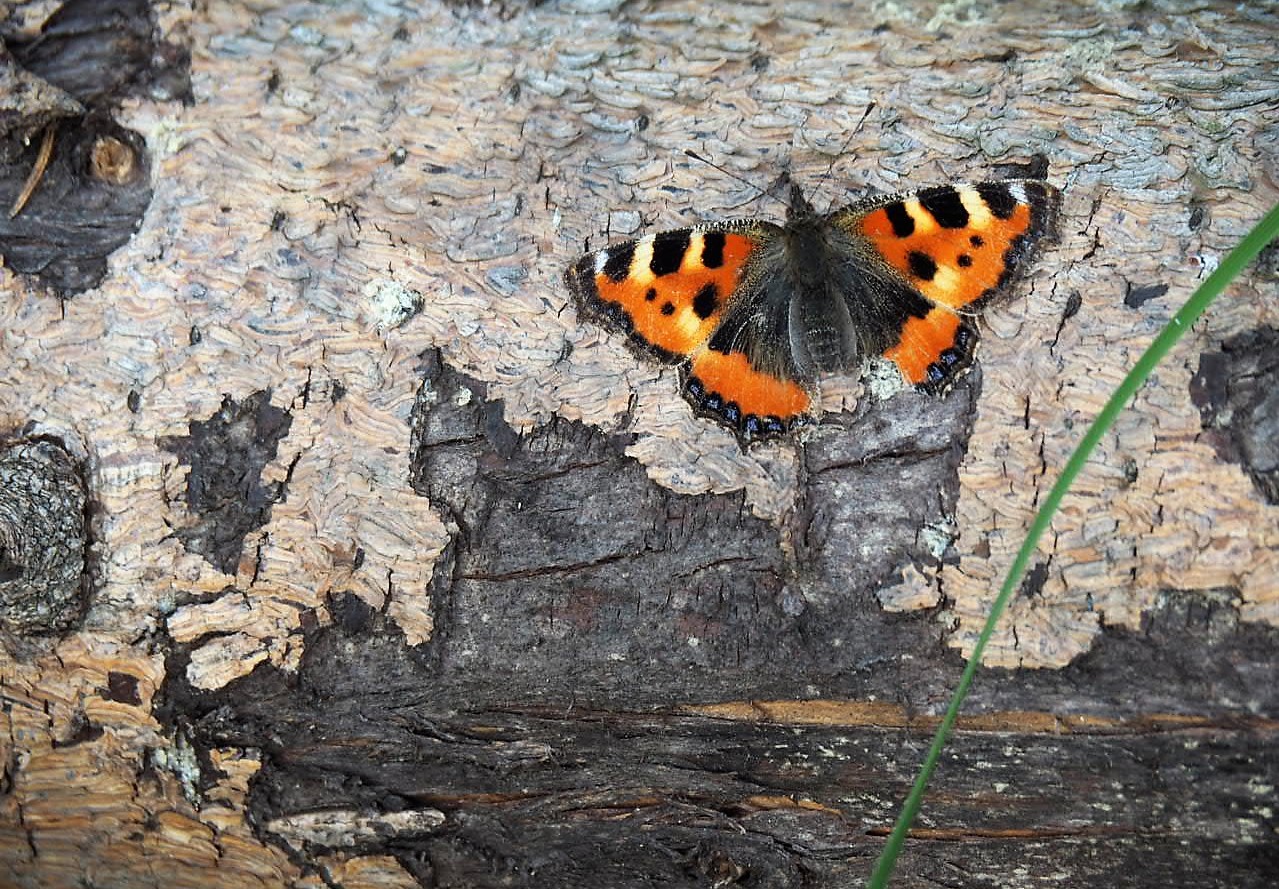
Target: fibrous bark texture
point(402, 574)
point(43, 538)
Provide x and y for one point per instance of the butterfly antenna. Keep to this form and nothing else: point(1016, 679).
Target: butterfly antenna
point(764, 192)
point(830, 168)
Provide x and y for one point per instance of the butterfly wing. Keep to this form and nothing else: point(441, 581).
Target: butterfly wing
point(666, 291)
point(746, 375)
point(692, 297)
point(957, 246)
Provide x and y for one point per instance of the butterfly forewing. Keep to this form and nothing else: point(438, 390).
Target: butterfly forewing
point(668, 291)
point(957, 244)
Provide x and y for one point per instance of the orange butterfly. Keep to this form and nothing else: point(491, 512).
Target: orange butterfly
point(754, 312)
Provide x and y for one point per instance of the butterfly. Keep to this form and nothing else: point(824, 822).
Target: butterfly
point(754, 312)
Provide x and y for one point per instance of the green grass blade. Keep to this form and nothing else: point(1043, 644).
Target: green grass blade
point(1262, 234)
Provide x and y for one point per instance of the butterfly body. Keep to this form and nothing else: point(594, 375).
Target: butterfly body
point(755, 313)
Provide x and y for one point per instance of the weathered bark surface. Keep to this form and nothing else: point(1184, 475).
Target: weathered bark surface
point(44, 575)
point(398, 575)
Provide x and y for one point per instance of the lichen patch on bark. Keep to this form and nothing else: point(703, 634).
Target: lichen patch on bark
point(44, 538)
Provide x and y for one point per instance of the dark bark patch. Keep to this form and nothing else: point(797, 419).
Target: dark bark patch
point(1237, 391)
point(102, 51)
point(567, 791)
point(80, 729)
point(77, 216)
point(95, 189)
point(43, 538)
point(225, 493)
point(122, 688)
point(1032, 585)
point(1136, 297)
point(1219, 663)
point(881, 485)
point(568, 563)
point(351, 613)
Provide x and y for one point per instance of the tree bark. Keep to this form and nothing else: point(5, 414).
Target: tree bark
point(335, 550)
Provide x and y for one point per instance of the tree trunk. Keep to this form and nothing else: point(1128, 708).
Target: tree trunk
point(336, 550)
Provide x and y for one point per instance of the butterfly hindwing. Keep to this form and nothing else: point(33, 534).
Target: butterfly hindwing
point(932, 351)
point(755, 404)
point(746, 375)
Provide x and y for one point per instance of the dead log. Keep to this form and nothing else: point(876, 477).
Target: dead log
point(336, 550)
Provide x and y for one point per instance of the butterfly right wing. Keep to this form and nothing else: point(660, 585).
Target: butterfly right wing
point(959, 247)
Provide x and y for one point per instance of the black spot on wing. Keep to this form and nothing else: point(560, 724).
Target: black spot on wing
point(668, 308)
point(668, 252)
point(945, 206)
point(964, 260)
point(618, 265)
point(713, 249)
point(922, 265)
point(903, 223)
point(998, 198)
point(706, 301)
point(651, 295)
point(911, 303)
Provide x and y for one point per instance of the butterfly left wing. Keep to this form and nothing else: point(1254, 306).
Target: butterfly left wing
point(746, 375)
point(959, 247)
point(690, 297)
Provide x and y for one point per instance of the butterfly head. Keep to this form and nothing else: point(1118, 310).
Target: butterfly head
point(799, 208)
